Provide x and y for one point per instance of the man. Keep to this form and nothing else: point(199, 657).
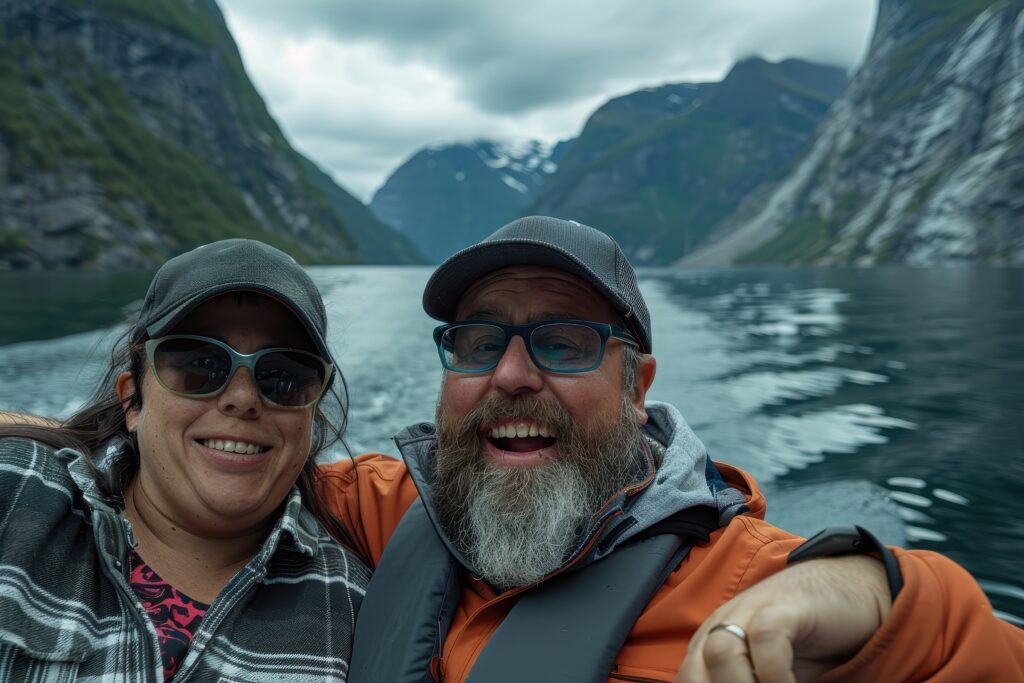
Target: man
point(554, 526)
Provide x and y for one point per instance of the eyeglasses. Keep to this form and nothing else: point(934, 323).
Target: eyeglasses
point(199, 367)
point(562, 346)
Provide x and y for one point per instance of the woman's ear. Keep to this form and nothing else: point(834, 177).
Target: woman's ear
point(126, 389)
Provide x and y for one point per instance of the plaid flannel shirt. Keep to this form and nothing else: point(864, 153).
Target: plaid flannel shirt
point(67, 612)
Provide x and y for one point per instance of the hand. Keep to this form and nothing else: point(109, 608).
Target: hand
point(800, 623)
point(7, 418)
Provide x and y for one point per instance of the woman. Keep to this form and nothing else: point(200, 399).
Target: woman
point(178, 532)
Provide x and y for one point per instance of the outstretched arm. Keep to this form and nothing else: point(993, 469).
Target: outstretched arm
point(8, 418)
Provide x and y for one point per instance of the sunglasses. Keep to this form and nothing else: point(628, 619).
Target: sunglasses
point(200, 367)
point(560, 346)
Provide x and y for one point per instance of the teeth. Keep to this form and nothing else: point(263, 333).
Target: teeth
point(231, 446)
point(521, 430)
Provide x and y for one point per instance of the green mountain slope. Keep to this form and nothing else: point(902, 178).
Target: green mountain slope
point(129, 132)
point(660, 168)
point(378, 242)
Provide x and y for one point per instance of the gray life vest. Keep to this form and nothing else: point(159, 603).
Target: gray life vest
point(567, 629)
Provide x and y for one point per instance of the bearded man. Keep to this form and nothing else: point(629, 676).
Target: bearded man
point(516, 514)
point(555, 526)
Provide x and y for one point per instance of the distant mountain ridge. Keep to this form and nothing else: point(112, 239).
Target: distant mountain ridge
point(657, 169)
point(919, 161)
point(448, 196)
point(129, 132)
point(620, 118)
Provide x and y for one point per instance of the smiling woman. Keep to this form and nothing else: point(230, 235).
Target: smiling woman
point(174, 522)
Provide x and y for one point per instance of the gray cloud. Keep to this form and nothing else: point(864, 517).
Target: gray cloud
point(389, 76)
point(509, 59)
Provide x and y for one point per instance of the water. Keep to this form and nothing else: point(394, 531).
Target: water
point(912, 380)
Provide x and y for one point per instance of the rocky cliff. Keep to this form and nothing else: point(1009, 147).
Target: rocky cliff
point(446, 197)
point(129, 132)
point(920, 161)
point(659, 168)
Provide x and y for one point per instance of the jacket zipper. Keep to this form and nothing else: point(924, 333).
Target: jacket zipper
point(119, 580)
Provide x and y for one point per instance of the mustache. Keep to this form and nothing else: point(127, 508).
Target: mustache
point(492, 409)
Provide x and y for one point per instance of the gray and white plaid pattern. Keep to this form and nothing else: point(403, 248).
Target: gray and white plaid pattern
point(67, 612)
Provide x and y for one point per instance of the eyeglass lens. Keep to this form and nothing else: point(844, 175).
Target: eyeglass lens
point(195, 367)
point(556, 347)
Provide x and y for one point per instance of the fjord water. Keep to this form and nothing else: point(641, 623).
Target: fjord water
point(912, 380)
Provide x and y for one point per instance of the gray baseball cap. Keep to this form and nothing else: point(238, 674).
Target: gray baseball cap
point(542, 241)
point(233, 265)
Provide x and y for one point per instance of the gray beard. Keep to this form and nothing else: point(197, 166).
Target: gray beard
point(515, 525)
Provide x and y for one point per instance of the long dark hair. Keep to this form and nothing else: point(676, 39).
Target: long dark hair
point(102, 418)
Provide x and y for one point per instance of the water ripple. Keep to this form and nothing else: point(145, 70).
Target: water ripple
point(755, 390)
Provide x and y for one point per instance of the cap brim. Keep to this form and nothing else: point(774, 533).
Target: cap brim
point(457, 274)
point(166, 322)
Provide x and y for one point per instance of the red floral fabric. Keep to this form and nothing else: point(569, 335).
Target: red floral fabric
point(175, 615)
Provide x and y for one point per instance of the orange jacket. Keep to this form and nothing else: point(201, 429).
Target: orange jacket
point(941, 628)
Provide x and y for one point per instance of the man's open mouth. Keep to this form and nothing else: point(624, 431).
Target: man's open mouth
point(521, 437)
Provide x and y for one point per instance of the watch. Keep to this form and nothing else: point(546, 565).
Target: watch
point(850, 540)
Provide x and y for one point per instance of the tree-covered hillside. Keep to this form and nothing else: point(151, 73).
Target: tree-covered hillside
point(129, 132)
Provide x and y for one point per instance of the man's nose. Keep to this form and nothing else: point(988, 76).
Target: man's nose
point(516, 372)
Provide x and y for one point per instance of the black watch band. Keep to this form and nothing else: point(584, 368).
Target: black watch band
point(850, 540)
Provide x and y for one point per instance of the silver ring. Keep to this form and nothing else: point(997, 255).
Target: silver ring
point(734, 629)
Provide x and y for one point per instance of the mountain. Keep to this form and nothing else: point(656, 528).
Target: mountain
point(129, 132)
point(622, 117)
point(920, 161)
point(378, 242)
point(659, 168)
point(446, 197)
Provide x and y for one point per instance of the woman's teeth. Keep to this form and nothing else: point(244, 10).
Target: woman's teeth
point(521, 431)
point(233, 446)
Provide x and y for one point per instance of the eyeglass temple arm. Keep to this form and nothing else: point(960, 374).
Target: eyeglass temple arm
point(623, 335)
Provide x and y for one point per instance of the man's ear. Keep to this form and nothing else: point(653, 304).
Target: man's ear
point(644, 378)
point(126, 389)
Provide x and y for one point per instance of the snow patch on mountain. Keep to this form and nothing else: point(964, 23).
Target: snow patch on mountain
point(522, 157)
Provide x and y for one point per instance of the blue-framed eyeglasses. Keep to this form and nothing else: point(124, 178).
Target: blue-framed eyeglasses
point(562, 346)
point(199, 367)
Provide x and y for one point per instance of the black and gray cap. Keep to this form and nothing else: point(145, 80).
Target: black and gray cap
point(551, 242)
point(233, 265)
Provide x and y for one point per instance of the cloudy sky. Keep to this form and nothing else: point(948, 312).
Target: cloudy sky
point(359, 86)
